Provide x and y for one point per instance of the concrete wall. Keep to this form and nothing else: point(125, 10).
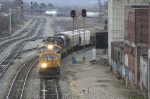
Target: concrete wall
point(118, 61)
point(143, 75)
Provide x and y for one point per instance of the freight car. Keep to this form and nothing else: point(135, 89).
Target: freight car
point(59, 45)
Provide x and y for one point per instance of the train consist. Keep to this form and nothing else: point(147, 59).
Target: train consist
point(57, 46)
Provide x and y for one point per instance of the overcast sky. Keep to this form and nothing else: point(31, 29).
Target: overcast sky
point(67, 2)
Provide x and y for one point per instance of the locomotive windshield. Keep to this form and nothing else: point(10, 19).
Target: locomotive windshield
point(45, 49)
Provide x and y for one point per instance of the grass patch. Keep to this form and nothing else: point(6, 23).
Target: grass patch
point(132, 93)
point(119, 84)
point(4, 34)
point(135, 95)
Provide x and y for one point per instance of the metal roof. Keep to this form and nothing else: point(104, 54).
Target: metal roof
point(140, 7)
point(102, 31)
point(118, 44)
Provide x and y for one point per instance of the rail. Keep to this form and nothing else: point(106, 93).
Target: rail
point(18, 75)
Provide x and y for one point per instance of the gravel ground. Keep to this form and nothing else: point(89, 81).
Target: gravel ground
point(86, 80)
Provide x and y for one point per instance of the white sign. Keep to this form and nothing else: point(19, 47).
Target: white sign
point(94, 54)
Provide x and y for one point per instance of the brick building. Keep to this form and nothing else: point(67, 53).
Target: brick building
point(136, 39)
point(116, 20)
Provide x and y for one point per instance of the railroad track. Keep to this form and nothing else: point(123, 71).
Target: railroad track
point(4, 45)
point(50, 89)
point(18, 84)
point(31, 33)
point(7, 61)
point(20, 33)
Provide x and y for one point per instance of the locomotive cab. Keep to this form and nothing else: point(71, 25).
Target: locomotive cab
point(49, 60)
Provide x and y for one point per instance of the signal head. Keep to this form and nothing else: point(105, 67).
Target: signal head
point(73, 14)
point(84, 13)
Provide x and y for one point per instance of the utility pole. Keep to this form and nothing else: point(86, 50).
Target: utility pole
point(41, 8)
point(73, 34)
point(84, 15)
point(6, 5)
point(99, 5)
point(21, 12)
point(73, 14)
point(75, 21)
point(10, 21)
point(84, 41)
point(31, 7)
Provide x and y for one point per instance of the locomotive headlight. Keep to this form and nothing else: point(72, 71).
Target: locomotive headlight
point(44, 65)
point(50, 47)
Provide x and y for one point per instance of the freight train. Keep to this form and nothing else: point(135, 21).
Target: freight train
point(59, 45)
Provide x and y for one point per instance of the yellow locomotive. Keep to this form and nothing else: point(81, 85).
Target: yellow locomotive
point(58, 46)
point(49, 59)
point(50, 54)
